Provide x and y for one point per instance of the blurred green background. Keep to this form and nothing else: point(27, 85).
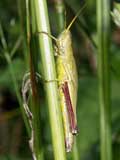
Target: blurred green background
point(13, 136)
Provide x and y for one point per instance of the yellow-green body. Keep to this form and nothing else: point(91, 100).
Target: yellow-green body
point(67, 72)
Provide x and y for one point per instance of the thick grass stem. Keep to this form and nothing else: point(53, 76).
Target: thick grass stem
point(103, 27)
point(49, 73)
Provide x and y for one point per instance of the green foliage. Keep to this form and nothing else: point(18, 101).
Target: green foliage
point(116, 65)
point(18, 69)
point(87, 109)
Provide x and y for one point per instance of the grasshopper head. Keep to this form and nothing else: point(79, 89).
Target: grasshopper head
point(64, 36)
point(64, 42)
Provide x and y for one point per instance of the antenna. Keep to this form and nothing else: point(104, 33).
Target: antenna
point(81, 9)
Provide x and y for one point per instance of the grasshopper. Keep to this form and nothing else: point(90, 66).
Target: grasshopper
point(67, 82)
point(68, 85)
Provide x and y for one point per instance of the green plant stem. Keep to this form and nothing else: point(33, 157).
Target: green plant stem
point(22, 17)
point(103, 27)
point(75, 154)
point(16, 46)
point(60, 15)
point(49, 74)
point(35, 107)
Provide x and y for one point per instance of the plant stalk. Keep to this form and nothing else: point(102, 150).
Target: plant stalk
point(60, 15)
point(49, 74)
point(35, 107)
point(103, 28)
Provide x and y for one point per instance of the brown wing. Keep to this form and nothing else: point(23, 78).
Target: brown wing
point(71, 114)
